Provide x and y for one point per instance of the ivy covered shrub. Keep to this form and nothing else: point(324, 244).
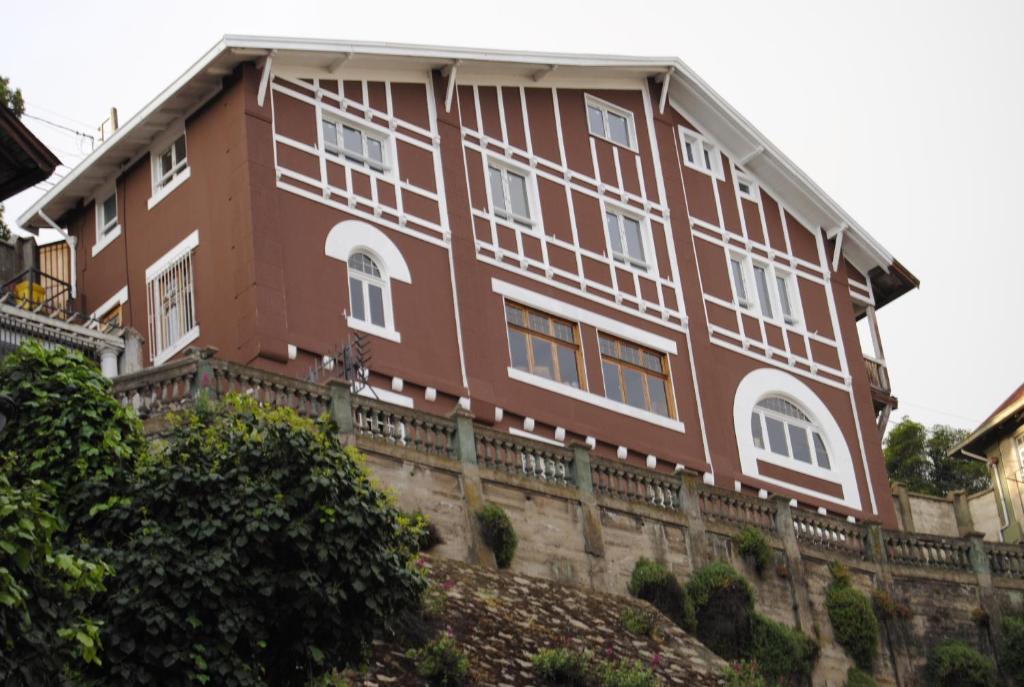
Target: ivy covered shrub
point(724, 606)
point(259, 553)
point(563, 667)
point(1011, 653)
point(855, 677)
point(443, 663)
point(653, 582)
point(44, 592)
point(625, 673)
point(854, 624)
point(955, 664)
point(67, 431)
point(498, 534)
point(754, 546)
point(783, 654)
point(639, 622)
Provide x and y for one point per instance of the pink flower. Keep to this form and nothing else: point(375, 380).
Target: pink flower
point(448, 584)
point(655, 660)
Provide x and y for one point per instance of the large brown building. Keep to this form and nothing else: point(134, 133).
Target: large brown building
point(574, 248)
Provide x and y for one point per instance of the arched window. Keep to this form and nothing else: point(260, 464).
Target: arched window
point(784, 429)
point(368, 291)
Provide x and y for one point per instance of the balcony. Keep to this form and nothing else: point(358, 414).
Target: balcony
point(881, 392)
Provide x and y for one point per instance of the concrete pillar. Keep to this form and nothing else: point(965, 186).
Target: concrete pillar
point(108, 362)
point(689, 485)
point(340, 391)
point(205, 384)
point(962, 511)
point(794, 561)
point(472, 487)
point(902, 499)
point(986, 593)
point(593, 530)
point(131, 357)
point(898, 646)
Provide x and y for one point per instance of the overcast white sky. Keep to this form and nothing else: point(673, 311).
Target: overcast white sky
point(910, 114)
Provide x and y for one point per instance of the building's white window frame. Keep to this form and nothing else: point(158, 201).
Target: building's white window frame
point(605, 107)
point(794, 425)
point(164, 184)
point(769, 382)
point(366, 281)
point(175, 266)
point(700, 153)
point(624, 259)
point(776, 278)
point(367, 131)
point(747, 187)
point(116, 301)
point(506, 213)
point(107, 229)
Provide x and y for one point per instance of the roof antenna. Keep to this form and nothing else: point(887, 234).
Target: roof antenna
point(109, 125)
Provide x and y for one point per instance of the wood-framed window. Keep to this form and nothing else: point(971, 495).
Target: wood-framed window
point(544, 345)
point(610, 122)
point(356, 144)
point(626, 239)
point(701, 154)
point(636, 376)
point(781, 427)
point(511, 197)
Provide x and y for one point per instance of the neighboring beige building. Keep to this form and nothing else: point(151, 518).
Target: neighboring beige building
point(999, 441)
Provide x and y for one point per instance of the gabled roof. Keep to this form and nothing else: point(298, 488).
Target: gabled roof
point(24, 160)
point(749, 147)
point(1007, 416)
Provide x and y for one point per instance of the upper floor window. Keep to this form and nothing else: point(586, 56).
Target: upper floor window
point(355, 144)
point(746, 186)
point(701, 154)
point(171, 304)
point(775, 290)
point(107, 226)
point(169, 164)
point(510, 194)
point(368, 291)
point(610, 122)
point(635, 375)
point(544, 345)
point(626, 239)
point(783, 428)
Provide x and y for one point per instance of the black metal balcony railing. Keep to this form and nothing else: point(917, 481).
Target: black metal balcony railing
point(39, 292)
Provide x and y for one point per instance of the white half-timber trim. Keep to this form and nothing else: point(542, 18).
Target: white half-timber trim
point(594, 399)
point(268, 62)
point(767, 382)
point(353, 236)
point(385, 395)
point(571, 312)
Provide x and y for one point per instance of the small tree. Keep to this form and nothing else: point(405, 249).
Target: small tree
point(917, 457)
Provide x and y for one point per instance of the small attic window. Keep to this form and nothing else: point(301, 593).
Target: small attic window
point(746, 187)
point(610, 122)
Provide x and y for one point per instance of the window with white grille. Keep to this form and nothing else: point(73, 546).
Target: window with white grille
point(170, 291)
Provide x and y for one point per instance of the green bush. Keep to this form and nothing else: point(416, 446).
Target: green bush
point(955, 664)
point(442, 663)
point(653, 582)
point(258, 553)
point(1011, 653)
point(855, 677)
point(498, 534)
point(626, 673)
point(783, 653)
point(563, 667)
point(724, 605)
point(638, 621)
point(754, 546)
point(854, 624)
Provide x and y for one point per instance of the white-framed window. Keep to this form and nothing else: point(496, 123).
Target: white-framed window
point(512, 192)
point(369, 296)
point(700, 153)
point(769, 289)
point(168, 163)
point(356, 143)
point(780, 426)
point(627, 241)
point(171, 304)
point(738, 272)
point(610, 122)
point(747, 187)
point(107, 226)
